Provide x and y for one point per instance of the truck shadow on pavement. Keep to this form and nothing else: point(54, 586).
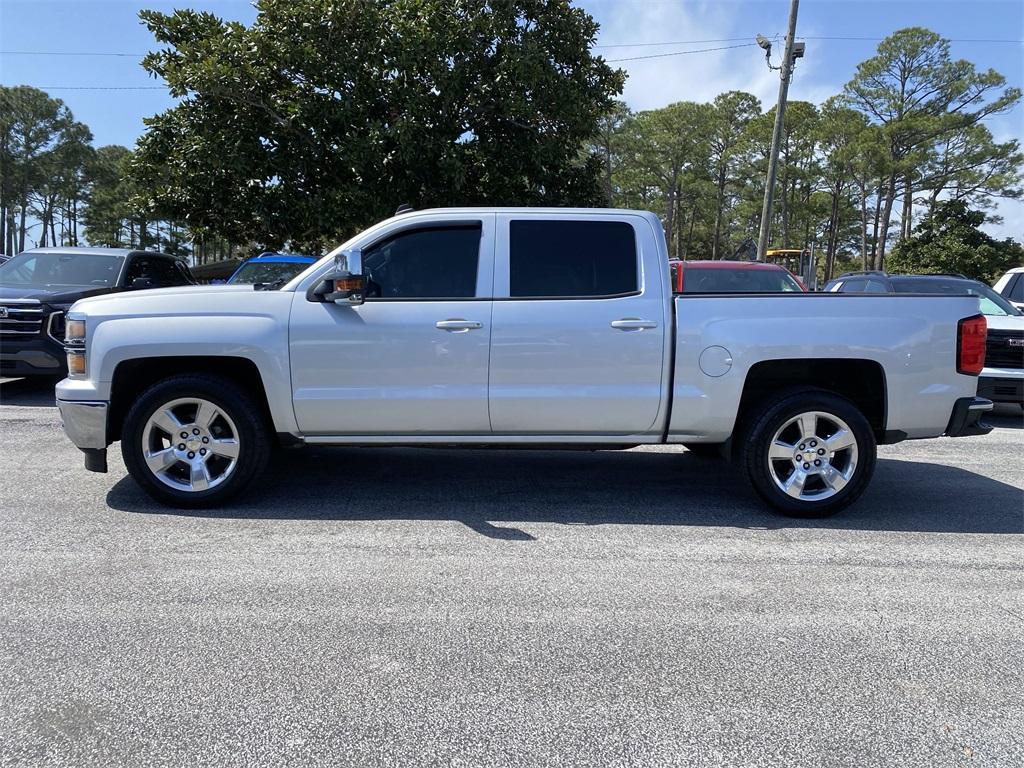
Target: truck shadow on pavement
point(486, 489)
point(29, 393)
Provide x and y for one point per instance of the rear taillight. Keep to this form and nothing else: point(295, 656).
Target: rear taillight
point(970, 345)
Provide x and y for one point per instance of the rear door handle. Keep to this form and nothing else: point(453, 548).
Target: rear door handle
point(457, 325)
point(633, 324)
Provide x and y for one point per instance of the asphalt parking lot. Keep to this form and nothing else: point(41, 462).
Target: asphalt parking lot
point(400, 607)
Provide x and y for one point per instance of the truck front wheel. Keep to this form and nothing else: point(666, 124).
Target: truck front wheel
point(809, 454)
point(194, 441)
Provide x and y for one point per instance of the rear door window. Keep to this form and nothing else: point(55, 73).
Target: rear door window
point(572, 259)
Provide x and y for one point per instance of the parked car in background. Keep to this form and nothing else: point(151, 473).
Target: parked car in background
point(1011, 287)
point(38, 286)
point(515, 326)
point(270, 268)
point(1002, 379)
point(721, 276)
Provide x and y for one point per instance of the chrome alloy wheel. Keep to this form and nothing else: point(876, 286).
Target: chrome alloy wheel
point(190, 444)
point(813, 456)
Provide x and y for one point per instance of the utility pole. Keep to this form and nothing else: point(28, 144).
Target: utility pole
point(793, 52)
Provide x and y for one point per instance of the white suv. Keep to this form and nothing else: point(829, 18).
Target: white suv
point(1011, 286)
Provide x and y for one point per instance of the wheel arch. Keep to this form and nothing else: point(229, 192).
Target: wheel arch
point(860, 381)
point(133, 376)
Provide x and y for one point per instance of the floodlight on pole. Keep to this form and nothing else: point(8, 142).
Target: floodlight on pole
point(794, 51)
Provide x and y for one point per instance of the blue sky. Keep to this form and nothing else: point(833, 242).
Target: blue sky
point(112, 26)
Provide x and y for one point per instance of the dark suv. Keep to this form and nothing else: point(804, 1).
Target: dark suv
point(1002, 379)
point(37, 287)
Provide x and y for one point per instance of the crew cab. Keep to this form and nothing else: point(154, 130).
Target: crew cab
point(515, 327)
point(38, 286)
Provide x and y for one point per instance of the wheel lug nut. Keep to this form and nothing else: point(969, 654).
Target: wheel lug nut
point(184, 435)
point(202, 451)
point(817, 462)
point(195, 431)
point(806, 465)
point(821, 451)
point(181, 446)
point(191, 454)
point(206, 440)
point(813, 443)
point(802, 446)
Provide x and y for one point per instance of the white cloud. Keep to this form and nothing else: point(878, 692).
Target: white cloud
point(655, 82)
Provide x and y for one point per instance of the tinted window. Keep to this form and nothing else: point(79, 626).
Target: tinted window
point(266, 272)
point(876, 286)
point(1017, 292)
point(739, 281)
point(61, 269)
point(161, 271)
point(853, 286)
point(572, 258)
point(991, 302)
point(432, 263)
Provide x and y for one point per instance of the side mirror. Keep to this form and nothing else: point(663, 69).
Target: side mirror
point(345, 284)
point(142, 282)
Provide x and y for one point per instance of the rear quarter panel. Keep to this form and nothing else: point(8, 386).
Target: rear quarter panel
point(913, 338)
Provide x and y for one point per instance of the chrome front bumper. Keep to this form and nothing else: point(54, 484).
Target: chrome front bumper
point(85, 424)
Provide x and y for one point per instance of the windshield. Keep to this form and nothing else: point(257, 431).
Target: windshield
point(991, 302)
point(739, 281)
point(52, 269)
point(266, 272)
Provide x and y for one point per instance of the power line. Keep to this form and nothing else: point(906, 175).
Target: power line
point(681, 53)
point(70, 53)
point(100, 87)
point(601, 45)
point(879, 39)
point(672, 42)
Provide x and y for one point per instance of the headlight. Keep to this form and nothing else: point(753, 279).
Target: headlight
point(74, 346)
point(76, 362)
point(74, 330)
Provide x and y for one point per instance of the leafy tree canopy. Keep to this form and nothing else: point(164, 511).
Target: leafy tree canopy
point(948, 239)
point(325, 115)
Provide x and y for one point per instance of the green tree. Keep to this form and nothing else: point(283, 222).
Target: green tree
point(669, 147)
point(969, 165)
point(840, 131)
point(730, 114)
point(31, 127)
point(917, 94)
point(949, 239)
point(324, 115)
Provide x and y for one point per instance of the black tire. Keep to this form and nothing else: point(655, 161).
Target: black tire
point(771, 416)
point(253, 437)
point(705, 450)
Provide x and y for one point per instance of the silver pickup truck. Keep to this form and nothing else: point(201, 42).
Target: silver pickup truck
point(492, 327)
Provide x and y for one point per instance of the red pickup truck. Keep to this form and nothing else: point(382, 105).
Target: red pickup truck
point(732, 277)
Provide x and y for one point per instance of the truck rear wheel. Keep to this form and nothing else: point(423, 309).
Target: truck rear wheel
point(194, 441)
point(809, 454)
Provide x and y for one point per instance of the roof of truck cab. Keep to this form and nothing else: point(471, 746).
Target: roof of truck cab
point(88, 251)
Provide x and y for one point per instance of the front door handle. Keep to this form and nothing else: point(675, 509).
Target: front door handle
point(457, 325)
point(633, 324)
